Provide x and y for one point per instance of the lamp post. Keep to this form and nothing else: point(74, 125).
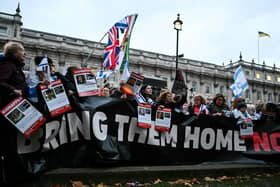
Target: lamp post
point(178, 27)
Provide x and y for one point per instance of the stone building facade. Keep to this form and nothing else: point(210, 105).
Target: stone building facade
point(158, 69)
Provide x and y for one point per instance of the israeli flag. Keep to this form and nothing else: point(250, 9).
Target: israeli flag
point(103, 74)
point(240, 83)
point(44, 65)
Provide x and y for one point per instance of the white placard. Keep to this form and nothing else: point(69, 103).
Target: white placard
point(55, 98)
point(163, 119)
point(144, 115)
point(85, 82)
point(26, 118)
point(246, 128)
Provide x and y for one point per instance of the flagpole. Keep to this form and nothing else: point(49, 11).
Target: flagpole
point(258, 49)
point(84, 64)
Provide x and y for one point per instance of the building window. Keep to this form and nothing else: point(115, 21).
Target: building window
point(247, 73)
point(258, 95)
point(27, 65)
point(207, 90)
point(247, 94)
point(194, 86)
point(278, 79)
point(258, 75)
point(269, 97)
point(268, 77)
point(3, 30)
point(222, 89)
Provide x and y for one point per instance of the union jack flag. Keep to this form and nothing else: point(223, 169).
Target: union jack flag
point(112, 50)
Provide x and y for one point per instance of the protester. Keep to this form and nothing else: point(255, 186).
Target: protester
point(241, 111)
point(12, 84)
point(105, 92)
point(69, 73)
point(12, 78)
point(199, 106)
point(145, 95)
point(218, 106)
point(68, 85)
point(236, 101)
point(165, 99)
point(45, 73)
point(258, 113)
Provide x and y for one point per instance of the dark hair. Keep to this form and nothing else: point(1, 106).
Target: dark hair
point(217, 96)
point(241, 105)
point(71, 68)
point(143, 88)
point(38, 60)
point(236, 101)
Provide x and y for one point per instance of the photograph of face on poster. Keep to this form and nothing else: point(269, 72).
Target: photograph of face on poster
point(141, 111)
point(49, 95)
point(81, 79)
point(160, 115)
point(15, 116)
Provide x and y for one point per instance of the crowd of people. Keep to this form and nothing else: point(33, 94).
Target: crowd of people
point(13, 83)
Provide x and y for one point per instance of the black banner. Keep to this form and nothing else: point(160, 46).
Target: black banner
point(103, 131)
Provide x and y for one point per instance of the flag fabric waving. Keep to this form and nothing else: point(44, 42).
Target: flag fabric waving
point(179, 86)
point(45, 68)
point(126, 73)
point(262, 34)
point(240, 83)
point(103, 74)
point(114, 52)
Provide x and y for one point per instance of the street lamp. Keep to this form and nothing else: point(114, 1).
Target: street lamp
point(178, 27)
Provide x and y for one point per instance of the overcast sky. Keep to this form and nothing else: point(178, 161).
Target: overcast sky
point(213, 31)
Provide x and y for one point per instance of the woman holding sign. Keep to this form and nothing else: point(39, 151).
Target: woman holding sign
point(145, 95)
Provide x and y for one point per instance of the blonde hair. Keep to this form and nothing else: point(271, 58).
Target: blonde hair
point(11, 48)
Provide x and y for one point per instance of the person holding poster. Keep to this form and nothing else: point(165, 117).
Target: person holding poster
point(44, 74)
point(12, 79)
point(12, 84)
point(85, 82)
point(145, 95)
point(165, 98)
